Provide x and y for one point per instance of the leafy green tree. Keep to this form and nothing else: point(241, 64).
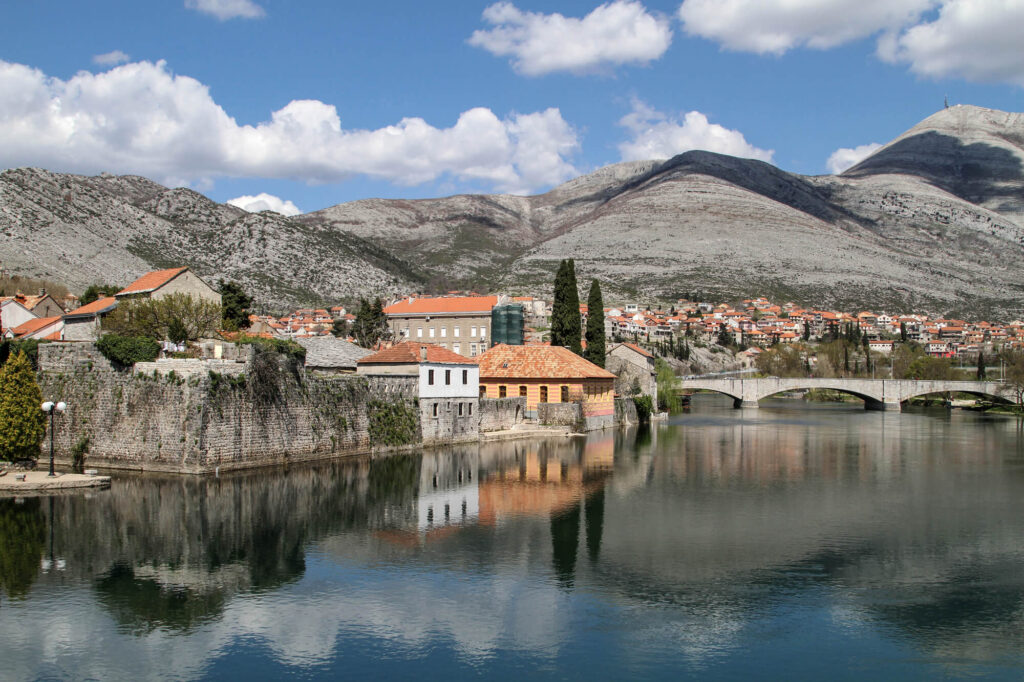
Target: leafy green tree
point(781, 361)
point(94, 292)
point(726, 337)
point(929, 368)
point(668, 386)
point(339, 328)
point(566, 327)
point(1013, 370)
point(176, 331)
point(22, 420)
point(595, 325)
point(236, 304)
point(152, 317)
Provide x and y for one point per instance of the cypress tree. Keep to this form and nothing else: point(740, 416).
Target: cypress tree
point(566, 327)
point(22, 420)
point(981, 366)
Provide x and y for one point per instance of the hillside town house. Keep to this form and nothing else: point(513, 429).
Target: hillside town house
point(161, 283)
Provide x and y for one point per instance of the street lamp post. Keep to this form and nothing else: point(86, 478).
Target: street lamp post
point(51, 408)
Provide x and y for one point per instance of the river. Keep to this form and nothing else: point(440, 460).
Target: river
point(795, 541)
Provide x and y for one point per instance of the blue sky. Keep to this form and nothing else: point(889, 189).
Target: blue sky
point(317, 103)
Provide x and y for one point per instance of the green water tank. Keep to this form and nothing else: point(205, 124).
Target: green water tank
point(507, 324)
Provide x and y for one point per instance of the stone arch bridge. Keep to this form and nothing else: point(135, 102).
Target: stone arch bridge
point(877, 394)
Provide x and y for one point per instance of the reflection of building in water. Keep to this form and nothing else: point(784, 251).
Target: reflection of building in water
point(544, 478)
point(449, 490)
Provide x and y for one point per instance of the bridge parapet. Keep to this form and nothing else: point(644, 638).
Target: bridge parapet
point(877, 394)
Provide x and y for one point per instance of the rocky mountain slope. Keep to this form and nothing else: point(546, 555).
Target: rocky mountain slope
point(932, 221)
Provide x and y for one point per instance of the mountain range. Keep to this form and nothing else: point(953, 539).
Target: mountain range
point(932, 222)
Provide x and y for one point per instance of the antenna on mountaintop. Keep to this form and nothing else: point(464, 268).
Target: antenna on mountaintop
point(946, 101)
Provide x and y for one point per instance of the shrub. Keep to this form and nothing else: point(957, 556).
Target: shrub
point(644, 408)
point(391, 423)
point(125, 351)
point(283, 346)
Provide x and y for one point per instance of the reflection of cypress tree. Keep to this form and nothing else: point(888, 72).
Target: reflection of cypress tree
point(22, 542)
point(595, 523)
point(565, 533)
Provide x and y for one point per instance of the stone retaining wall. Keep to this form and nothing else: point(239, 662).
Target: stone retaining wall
point(189, 367)
point(501, 414)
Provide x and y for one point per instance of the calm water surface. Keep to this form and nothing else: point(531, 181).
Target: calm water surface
point(791, 542)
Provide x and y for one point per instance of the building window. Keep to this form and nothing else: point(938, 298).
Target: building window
point(431, 332)
point(447, 377)
point(565, 394)
point(444, 332)
point(430, 377)
point(465, 376)
point(456, 348)
point(502, 392)
point(543, 394)
point(435, 410)
point(460, 408)
point(455, 331)
point(483, 332)
point(472, 332)
point(472, 350)
point(405, 332)
point(522, 391)
point(419, 332)
point(483, 391)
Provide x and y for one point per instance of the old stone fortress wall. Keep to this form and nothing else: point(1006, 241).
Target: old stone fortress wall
point(202, 416)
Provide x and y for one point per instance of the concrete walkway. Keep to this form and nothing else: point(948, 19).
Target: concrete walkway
point(39, 482)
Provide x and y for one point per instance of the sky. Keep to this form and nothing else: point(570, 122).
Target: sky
point(296, 106)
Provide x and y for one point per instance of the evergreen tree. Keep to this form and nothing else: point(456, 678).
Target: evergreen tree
point(981, 366)
point(807, 331)
point(96, 291)
point(371, 325)
point(566, 328)
point(903, 332)
point(235, 303)
point(22, 420)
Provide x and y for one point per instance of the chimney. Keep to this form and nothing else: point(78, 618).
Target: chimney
point(42, 292)
point(423, 353)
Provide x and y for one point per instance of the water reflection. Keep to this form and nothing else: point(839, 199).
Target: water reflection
point(672, 552)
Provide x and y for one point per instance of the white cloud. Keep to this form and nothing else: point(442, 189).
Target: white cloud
point(265, 202)
point(844, 157)
point(227, 9)
point(658, 136)
point(775, 26)
point(111, 58)
point(978, 40)
point(140, 118)
point(620, 32)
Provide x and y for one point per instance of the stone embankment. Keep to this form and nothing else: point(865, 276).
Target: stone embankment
point(28, 483)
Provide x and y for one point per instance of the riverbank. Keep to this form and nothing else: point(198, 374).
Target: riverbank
point(27, 483)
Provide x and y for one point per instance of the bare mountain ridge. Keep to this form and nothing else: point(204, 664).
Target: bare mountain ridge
point(932, 221)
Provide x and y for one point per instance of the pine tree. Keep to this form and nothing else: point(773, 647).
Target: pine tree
point(22, 420)
point(235, 303)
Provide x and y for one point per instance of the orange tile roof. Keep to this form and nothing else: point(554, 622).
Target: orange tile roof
point(455, 304)
point(411, 352)
point(537, 362)
point(100, 305)
point(151, 281)
point(638, 349)
point(32, 326)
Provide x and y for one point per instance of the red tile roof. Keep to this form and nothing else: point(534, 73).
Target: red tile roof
point(100, 305)
point(537, 362)
point(455, 304)
point(151, 281)
point(410, 352)
point(32, 326)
